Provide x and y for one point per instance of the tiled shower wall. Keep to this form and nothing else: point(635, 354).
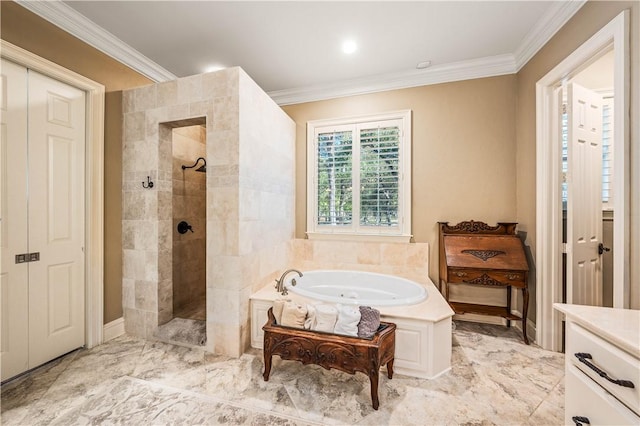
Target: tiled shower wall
point(250, 145)
point(189, 204)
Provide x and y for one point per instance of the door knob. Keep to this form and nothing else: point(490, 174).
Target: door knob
point(602, 248)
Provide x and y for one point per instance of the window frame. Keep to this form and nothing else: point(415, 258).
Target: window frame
point(356, 231)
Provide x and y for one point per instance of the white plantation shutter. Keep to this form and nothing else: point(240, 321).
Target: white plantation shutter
point(379, 173)
point(335, 177)
point(359, 176)
point(607, 151)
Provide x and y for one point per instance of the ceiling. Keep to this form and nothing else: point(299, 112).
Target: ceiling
point(293, 50)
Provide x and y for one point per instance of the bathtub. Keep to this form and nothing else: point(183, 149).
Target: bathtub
point(357, 288)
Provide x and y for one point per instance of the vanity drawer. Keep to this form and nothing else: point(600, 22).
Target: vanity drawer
point(610, 360)
point(489, 277)
point(587, 399)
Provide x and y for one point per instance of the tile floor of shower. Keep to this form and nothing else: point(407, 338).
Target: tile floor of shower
point(495, 379)
point(188, 325)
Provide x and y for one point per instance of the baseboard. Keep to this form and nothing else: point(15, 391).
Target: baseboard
point(485, 319)
point(113, 329)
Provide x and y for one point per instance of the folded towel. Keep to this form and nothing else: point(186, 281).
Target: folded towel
point(369, 321)
point(293, 315)
point(311, 317)
point(326, 316)
point(348, 319)
point(278, 304)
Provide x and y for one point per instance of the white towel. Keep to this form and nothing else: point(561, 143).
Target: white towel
point(348, 319)
point(293, 315)
point(326, 316)
point(311, 317)
point(278, 304)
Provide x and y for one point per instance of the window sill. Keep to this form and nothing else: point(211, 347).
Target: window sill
point(380, 238)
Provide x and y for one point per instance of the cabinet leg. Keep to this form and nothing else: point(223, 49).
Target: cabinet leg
point(525, 309)
point(390, 369)
point(508, 305)
point(373, 377)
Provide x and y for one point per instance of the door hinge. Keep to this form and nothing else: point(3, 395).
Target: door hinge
point(28, 257)
point(564, 248)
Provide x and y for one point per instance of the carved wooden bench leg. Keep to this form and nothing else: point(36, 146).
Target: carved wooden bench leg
point(373, 377)
point(267, 366)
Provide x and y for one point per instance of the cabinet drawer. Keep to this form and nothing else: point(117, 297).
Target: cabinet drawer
point(490, 278)
point(584, 398)
point(616, 363)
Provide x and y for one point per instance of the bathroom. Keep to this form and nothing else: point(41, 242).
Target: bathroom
point(253, 233)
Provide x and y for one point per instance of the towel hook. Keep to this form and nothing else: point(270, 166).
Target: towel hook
point(149, 183)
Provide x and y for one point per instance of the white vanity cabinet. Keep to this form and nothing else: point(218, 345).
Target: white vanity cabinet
point(602, 365)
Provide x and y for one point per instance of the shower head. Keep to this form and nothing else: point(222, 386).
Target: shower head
point(201, 169)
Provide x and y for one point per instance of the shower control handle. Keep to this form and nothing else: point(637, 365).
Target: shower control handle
point(183, 227)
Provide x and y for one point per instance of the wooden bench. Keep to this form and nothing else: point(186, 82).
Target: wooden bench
point(345, 353)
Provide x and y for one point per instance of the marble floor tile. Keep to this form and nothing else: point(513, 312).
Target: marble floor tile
point(495, 379)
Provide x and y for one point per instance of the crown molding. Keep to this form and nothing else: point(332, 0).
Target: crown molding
point(76, 24)
point(455, 71)
point(550, 23)
point(68, 19)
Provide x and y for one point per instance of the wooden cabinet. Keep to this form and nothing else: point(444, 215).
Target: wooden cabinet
point(491, 256)
point(602, 365)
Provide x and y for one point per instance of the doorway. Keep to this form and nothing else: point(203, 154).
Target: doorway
point(549, 245)
point(590, 207)
point(185, 313)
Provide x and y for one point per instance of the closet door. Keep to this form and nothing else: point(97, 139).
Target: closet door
point(42, 206)
point(14, 277)
point(56, 218)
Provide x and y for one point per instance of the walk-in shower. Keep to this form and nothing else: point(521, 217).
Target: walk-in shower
point(189, 219)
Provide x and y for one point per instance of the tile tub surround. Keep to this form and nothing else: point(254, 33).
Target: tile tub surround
point(495, 379)
point(423, 334)
point(250, 144)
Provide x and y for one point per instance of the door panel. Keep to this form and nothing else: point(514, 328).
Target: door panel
point(14, 277)
point(56, 228)
point(584, 196)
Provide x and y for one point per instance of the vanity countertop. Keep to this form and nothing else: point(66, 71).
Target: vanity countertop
point(620, 326)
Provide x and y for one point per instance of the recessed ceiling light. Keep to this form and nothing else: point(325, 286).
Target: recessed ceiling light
point(349, 47)
point(212, 68)
point(422, 65)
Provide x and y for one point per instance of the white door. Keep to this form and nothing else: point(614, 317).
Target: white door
point(14, 278)
point(50, 179)
point(584, 196)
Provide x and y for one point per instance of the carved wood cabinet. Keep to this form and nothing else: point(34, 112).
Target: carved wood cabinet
point(479, 254)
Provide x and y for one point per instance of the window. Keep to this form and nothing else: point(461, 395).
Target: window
point(359, 177)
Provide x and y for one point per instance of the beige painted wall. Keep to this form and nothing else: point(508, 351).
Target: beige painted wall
point(30, 32)
point(586, 22)
point(464, 151)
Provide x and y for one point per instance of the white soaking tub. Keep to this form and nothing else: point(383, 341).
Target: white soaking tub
point(356, 288)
